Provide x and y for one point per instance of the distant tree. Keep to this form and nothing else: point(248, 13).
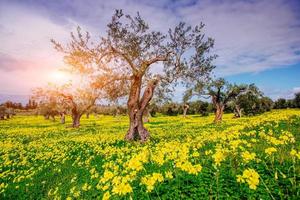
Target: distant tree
point(6, 112)
point(2, 112)
point(13, 105)
point(221, 93)
point(78, 101)
point(128, 52)
point(281, 103)
point(247, 100)
point(204, 109)
point(297, 100)
point(31, 104)
point(171, 109)
point(49, 105)
point(185, 109)
point(266, 104)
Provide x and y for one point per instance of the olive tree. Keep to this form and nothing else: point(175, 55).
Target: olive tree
point(129, 53)
point(50, 104)
point(297, 100)
point(220, 91)
point(68, 98)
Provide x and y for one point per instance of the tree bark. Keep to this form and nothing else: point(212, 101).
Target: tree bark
point(76, 120)
point(7, 116)
point(87, 115)
point(185, 108)
point(76, 115)
point(238, 111)
point(136, 108)
point(219, 113)
point(53, 117)
point(46, 116)
point(146, 115)
point(62, 118)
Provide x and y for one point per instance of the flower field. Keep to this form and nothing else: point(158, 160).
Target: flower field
point(186, 158)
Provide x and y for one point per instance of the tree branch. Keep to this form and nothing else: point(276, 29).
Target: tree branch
point(125, 57)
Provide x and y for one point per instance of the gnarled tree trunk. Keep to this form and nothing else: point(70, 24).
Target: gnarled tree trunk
point(52, 117)
point(238, 110)
point(62, 118)
point(219, 106)
point(75, 117)
point(219, 112)
point(146, 115)
point(76, 120)
point(46, 116)
point(185, 108)
point(136, 108)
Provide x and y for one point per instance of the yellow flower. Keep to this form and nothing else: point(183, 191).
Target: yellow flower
point(247, 156)
point(169, 175)
point(251, 177)
point(106, 196)
point(219, 156)
point(270, 150)
point(122, 188)
point(293, 152)
point(196, 154)
point(86, 187)
point(150, 180)
point(207, 152)
point(240, 179)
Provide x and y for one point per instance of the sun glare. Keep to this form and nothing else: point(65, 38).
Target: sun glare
point(59, 77)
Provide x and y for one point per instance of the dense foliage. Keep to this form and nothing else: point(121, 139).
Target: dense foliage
point(250, 157)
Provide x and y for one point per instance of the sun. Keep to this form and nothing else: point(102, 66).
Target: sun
point(59, 77)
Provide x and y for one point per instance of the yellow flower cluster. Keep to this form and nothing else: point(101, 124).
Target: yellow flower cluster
point(270, 150)
point(247, 156)
point(251, 177)
point(219, 156)
point(150, 180)
point(294, 153)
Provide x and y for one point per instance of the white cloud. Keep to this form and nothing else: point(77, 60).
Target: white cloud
point(250, 36)
point(276, 93)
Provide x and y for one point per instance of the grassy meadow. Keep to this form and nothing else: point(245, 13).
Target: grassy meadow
point(186, 158)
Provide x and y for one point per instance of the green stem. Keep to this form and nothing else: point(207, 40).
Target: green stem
point(267, 188)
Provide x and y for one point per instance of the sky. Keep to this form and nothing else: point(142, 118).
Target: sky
point(257, 41)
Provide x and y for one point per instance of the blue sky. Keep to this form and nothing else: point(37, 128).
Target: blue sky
point(257, 40)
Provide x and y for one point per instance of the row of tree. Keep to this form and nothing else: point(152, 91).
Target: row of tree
point(282, 103)
point(18, 106)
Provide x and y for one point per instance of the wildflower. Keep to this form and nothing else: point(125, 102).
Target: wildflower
point(150, 180)
point(207, 152)
point(218, 157)
point(293, 152)
point(122, 188)
point(196, 154)
point(270, 150)
point(86, 187)
point(247, 156)
point(169, 175)
point(106, 196)
point(251, 177)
